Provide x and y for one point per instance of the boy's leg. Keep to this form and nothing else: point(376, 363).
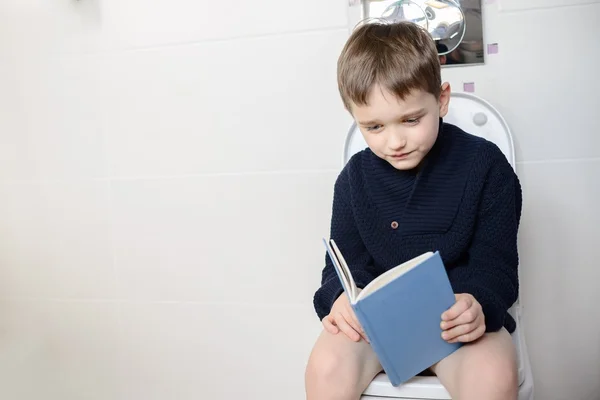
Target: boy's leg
point(484, 369)
point(339, 368)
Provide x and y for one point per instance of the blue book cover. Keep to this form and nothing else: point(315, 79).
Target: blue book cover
point(401, 311)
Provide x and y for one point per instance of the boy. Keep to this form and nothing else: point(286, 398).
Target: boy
point(420, 185)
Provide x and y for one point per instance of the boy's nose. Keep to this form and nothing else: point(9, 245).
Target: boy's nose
point(396, 141)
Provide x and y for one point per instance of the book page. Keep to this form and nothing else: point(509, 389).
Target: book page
point(392, 274)
point(353, 288)
point(342, 270)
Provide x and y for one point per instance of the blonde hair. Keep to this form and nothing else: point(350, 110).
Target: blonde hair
point(400, 57)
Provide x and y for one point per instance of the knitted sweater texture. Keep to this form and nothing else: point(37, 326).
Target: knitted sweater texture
point(464, 201)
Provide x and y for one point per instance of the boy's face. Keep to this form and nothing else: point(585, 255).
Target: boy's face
point(401, 131)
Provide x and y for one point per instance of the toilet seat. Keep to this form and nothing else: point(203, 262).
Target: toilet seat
point(478, 117)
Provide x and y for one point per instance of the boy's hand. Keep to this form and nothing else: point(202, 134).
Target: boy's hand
point(464, 321)
point(342, 318)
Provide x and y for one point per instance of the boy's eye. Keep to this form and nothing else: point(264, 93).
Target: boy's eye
point(412, 121)
point(373, 128)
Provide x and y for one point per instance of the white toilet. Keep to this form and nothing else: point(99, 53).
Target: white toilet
point(477, 117)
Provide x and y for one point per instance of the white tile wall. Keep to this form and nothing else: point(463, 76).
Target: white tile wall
point(541, 80)
point(55, 241)
point(214, 351)
point(561, 226)
point(516, 5)
point(218, 95)
point(75, 27)
point(52, 126)
point(58, 350)
point(221, 238)
point(166, 174)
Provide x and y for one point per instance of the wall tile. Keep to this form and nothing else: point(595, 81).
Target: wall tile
point(248, 105)
point(226, 238)
point(54, 241)
point(553, 128)
point(190, 20)
point(190, 351)
point(516, 5)
point(50, 121)
point(58, 350)
point(44, 27)
point(559, 275)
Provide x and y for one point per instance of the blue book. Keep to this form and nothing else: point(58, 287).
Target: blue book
point(401, 311)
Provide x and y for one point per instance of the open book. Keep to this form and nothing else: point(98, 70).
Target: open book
point(401, 311)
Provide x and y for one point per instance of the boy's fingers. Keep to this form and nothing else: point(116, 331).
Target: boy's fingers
point(467, 317)
point(362, 333)
point(461, 305)
point(461, 330)
point(471, 336)
point(353, 321)
point(329, 326)
point(357, 326)
point(457, 331)
point(346, 328)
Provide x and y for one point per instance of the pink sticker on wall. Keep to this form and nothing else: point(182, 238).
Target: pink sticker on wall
point(492, 48)
point(469, 87)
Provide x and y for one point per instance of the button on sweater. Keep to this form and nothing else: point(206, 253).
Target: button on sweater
point(464, 201)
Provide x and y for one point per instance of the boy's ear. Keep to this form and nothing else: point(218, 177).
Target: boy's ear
point(444, 99)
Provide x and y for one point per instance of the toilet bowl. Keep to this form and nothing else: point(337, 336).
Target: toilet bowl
point(478, 117)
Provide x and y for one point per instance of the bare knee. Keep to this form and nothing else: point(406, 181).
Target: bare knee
point(339, 368)
point(496, 378)
point(486, 369)
point(492, 374)
point(327, 377)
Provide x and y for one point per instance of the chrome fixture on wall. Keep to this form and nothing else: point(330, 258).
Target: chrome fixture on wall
point(455, 25)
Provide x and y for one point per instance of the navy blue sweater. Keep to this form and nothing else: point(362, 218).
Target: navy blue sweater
point(463, 201)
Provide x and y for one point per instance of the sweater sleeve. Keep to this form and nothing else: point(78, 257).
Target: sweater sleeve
point(491, 271)
point(345, 234)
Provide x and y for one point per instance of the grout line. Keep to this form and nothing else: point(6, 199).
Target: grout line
point(560, 160)
point(177, 44)
point(244, 173)
point(223, 174)
point(22, 299)
point(168, 177)
point(156, 302)
point(239, 37)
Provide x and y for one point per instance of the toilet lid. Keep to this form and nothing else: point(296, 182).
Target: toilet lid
point(470, 113)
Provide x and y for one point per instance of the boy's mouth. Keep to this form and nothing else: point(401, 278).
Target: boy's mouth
point(398, 156)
